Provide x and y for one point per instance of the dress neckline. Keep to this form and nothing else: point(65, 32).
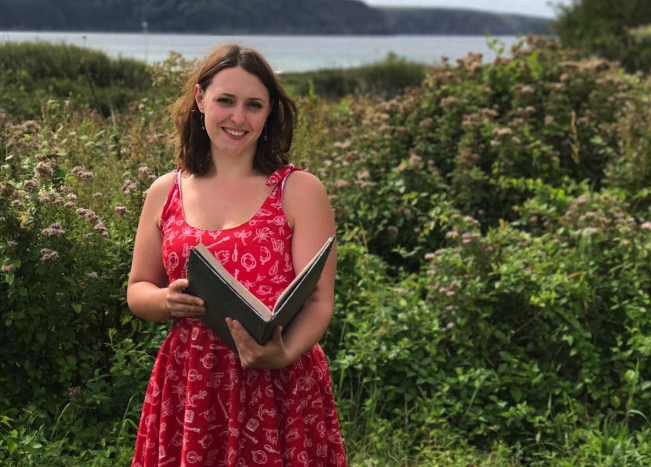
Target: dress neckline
point(271, 180)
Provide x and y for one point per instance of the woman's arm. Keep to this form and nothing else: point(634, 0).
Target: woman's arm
point(148, 293)
point(308, 211)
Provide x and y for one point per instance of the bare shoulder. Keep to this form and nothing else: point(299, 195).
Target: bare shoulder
point(305, 199)
point(300, 184)
point(157, 195)
point(162, 185)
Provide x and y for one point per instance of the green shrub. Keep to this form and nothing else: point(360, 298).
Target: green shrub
point(386, 79)
point(31, 73)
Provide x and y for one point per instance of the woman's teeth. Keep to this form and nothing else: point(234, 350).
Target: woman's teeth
point(234, 133)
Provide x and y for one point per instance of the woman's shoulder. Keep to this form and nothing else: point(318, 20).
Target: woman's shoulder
point(303, 192)
point(162, 185)
point(301, 181)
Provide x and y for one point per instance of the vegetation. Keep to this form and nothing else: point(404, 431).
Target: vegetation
point(616, 31)
point(255, 17)
point(493, 282)
point(31, 73)
point(387, 78)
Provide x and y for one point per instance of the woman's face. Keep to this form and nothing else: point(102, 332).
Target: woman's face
point(235, 107)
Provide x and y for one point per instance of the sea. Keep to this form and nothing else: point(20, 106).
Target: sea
point(285, 53)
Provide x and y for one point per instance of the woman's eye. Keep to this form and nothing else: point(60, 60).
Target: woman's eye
point(224, 100)
point(255, 105)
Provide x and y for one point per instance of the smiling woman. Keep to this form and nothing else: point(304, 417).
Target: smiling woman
point(263, 219)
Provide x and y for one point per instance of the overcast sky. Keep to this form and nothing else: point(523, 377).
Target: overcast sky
point(525, 7)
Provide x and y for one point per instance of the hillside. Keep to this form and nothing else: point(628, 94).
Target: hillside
point(254, 17)
point(451, 21)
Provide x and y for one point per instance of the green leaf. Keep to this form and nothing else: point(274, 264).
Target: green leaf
point(77, 307)
point(516, 394)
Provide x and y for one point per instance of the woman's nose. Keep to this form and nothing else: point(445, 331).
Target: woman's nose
point(238, 115)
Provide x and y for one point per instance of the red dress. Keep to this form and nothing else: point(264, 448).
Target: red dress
point(201, 407)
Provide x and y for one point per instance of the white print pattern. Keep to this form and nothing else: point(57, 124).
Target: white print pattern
point(202, 407)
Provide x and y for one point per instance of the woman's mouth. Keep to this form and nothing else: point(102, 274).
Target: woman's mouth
point(235, 134)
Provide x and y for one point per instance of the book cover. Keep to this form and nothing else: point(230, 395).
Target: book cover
point(225, 297)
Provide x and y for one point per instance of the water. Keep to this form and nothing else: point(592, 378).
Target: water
point(285, 53)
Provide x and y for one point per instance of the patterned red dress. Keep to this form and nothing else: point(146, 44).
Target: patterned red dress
point(201, 407)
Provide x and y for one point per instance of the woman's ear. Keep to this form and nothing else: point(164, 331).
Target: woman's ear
point(198, 97)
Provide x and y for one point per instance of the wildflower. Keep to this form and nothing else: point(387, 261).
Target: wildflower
point(392, 230)
point(450, 293)
point(121, 210)
point(48, 254)
point(488, 113)
point(451, 325)
point(502, 132)
point(99, 226)
point(66, 190)
point(646, 226)
point(414, 161)
point(426, 123)
point(93, 275)
point(98, 195)
point(12, 244)
point(128, 187)
point(30, 185)
point(60, 295)
point(86, 175)
point(8, 268)
point(144, 172)
point(87, 214)
point(44, 168)
point(68, 204)
point(525, 91)
point(54, 230)
point(341, 184)
point(452, 234)
point(16, 204)
point(77, 171)
point(448, 102)
point(363, 174)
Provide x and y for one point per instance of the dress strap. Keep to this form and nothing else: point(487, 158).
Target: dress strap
point(172, 199)
point(280, 175)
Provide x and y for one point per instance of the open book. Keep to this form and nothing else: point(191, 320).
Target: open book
point(225, 297)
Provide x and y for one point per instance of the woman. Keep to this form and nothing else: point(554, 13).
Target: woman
point(262, 219)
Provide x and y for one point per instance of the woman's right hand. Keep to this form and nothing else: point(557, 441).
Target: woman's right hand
point(182, 305)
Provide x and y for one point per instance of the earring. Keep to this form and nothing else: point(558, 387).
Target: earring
point(265, 131)
point(203, 127)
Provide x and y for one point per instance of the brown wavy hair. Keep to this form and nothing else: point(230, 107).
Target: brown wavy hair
point(193, 143)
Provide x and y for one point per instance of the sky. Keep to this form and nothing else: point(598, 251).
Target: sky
point(524, 7)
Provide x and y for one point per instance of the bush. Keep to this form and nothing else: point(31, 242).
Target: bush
point(32, 73)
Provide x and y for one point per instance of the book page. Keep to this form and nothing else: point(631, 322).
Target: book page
point(297, 279)
point(243, 292)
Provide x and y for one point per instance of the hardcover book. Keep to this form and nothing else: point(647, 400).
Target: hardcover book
point(225, 297)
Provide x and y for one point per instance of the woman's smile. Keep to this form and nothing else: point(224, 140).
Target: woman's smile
point(234, 134)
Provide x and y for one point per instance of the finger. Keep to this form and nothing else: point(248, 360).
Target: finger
point(179, 284)
point(277, 337)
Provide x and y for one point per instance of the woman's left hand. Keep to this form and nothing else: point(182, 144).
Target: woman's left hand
point(272, 355)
